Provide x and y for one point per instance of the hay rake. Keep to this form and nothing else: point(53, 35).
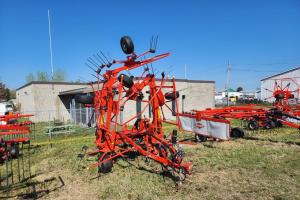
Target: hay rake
point(215, 123)
point(14, 149)
point(115, 138)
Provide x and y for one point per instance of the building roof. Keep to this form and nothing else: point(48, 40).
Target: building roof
point(77, 91)
point(291, 70)
point(230, 90)
point(50, 82)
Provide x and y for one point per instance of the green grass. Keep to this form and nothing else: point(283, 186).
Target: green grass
point(265, 165)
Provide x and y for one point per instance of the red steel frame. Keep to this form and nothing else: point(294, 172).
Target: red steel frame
point(146, 137)
point(16, 132)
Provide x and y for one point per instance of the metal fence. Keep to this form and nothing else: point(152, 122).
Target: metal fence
point(78, 116)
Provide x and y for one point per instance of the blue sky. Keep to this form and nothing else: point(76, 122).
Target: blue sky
point(259, 38)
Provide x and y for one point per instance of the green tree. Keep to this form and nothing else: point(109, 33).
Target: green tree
point(2, 92)
point(59, 75)
point(30, 77)
point(239, 89)
point(7, 94)
point(42, 76)
point(12, 93)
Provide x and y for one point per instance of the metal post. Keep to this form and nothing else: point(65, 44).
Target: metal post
point(80, 117)
point(227, 81)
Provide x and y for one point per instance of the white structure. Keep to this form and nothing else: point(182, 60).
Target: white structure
point(231, 93)
point(267, 84)
point(55, 100)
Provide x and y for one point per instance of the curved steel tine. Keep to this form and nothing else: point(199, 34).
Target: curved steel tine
point(104, 56)
point(101, 58)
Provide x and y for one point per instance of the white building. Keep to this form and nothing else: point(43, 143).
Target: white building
point(291, 76)
point(55, 100)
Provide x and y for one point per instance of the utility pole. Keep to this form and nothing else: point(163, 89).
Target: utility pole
point(50, 44)
point(228, 68)
point(185, 71)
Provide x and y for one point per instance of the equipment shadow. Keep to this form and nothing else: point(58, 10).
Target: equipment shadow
point(31, 186)
point(271, 140)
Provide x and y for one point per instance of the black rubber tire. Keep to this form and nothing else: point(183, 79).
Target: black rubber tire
point(269, 124)
point(127, 45)
point(237, 133)
point(292, 96)
point(279, 96)
point(278, 124)
point(105, 167)
point(171, 95)
point(127, 81)
point(253, 125)
point(200, 138)
point(84, 99)
point(15, 150)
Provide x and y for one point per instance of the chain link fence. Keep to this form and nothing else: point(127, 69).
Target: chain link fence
point(78, 116)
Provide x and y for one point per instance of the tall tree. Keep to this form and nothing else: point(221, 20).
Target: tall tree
point(30, 77)
point(42, 76)
point(2, 92)
point(239, 89)
point(59, 75)
point(12, 93)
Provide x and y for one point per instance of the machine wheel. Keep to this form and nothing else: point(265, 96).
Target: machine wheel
point(127, 45)
point(253, 125)
point(106, 166)
point(127, 81)
point(15, 150)
point(278, 123)
point(200, 138)
point(237, 133)
point(171, 95)
point(279, 96)
point(269, 124)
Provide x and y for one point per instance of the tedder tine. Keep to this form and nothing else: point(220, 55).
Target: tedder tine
point(29, 152)
point(23, 170)
point(6, 164)
point(11, 170)
point(19, 175)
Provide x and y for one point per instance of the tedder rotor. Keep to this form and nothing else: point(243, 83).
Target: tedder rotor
point(138, 134)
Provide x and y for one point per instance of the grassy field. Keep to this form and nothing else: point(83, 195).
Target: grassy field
point(263, 165)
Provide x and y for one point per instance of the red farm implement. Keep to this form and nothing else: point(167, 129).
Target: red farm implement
point(139, 134)
point(215, 123)
point(14, 137)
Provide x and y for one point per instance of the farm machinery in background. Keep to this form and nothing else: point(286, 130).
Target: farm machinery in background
point(115, 138)
point(285, 111)
point(15, 132)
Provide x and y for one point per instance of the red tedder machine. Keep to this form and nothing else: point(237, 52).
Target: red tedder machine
point(138, 134)
point(215, 123)
point(14, 135)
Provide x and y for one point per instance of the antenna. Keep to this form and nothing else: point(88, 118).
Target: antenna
point(227, 81)
point(50, 44)
point(185, 71)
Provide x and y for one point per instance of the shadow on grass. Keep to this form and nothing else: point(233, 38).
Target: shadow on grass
point(32, 185)
point(271, 140)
